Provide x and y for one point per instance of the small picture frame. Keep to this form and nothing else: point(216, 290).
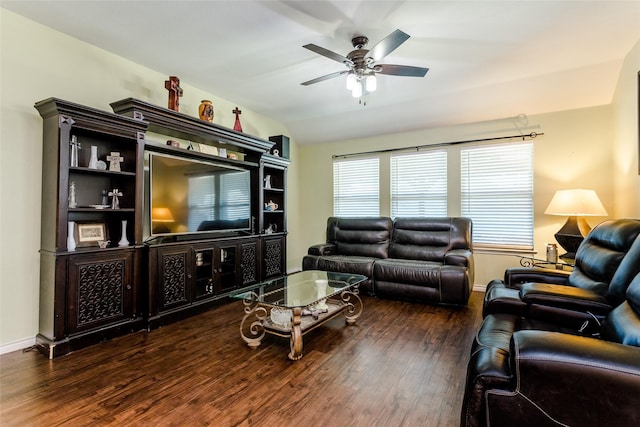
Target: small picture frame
point(90, 233)
point(208, 149)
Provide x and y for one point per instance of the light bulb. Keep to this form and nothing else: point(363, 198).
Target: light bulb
point(371, 83)
point(351, 81)
point(357, 90)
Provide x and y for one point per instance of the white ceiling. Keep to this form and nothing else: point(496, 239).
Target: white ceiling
point(487, 59)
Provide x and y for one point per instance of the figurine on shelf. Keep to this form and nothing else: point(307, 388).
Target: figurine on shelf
point(175, 92)
point(267, 182)
point(115, 193)
point(72, 195)
point(75, 146)
point(237, 126)
point(114, 161)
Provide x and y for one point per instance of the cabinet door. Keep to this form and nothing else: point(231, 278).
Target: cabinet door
point(174, 276)
point(100, 289)
point(204, 276)
point(226, 268)
point(249, 262)
point(273, 254)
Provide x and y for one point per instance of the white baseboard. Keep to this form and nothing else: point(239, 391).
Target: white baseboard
point(479, 288)
point(18, 345)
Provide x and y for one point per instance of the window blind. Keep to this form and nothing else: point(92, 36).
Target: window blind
point(497, 194)
point(419, 184)
point(356, 188)
point(204, 192)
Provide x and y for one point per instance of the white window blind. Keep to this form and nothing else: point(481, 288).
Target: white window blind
point(356, 188)
point(497, 194)
point(419, 184)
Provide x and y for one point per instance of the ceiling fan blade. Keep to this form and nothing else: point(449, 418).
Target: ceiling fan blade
point(325, 77)
point(401, 70)
point(329, 54)
point(388, 45)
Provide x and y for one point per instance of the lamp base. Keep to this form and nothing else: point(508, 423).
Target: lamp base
point(571, 235)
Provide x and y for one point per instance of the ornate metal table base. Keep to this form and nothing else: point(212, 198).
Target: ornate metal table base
point(256, 321)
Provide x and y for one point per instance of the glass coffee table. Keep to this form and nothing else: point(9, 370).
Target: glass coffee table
point(293, 305)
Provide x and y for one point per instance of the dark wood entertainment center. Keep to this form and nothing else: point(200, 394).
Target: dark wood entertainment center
point(141, 280)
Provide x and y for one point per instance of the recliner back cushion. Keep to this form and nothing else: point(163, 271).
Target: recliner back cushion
point(623, 323)
point(601, 253)
point(429, 239)
point(368, 237)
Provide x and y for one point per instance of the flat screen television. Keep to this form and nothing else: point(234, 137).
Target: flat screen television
point(195, 196)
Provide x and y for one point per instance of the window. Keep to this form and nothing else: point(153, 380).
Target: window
point(356, 188)
point(497, 194)
point(419, 184)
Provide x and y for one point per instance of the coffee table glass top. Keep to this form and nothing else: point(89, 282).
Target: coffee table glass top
point(299, 289)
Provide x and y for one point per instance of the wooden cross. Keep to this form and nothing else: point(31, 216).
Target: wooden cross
point(114, 161)
point(115, 203)
point(175, 92)
point(237, 126)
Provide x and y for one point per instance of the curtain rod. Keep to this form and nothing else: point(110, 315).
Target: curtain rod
point(531, 135)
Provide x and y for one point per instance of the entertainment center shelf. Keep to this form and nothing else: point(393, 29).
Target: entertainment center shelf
point(131, 269)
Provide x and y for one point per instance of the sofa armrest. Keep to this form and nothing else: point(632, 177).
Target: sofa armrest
point(322, 249)
point(570, 380)
point(460, 257)
point(518, 275)
point(565, 297)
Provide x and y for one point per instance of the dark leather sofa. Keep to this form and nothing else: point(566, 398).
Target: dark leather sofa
point(570, 356)
point(419, 259)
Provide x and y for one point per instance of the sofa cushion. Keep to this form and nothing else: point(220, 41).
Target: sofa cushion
point(346, 264)
point(365, 237)
point(429, 239)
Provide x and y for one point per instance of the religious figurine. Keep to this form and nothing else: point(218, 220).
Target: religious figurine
point(115, 193)
point(267, 181)
point(237, 126)
point(72, 195)
point(175, 92)
point(114, 161)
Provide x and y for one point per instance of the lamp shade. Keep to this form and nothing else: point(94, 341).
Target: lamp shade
point(576, 202)
point(161, 215)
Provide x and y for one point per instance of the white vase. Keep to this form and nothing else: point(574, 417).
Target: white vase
point(123, 240)
point(71, 242)
point(93, 161)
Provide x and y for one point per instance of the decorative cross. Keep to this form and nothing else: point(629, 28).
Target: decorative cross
point(237, 126)
point(115, 204)
point(175, 92)
point(114, 161)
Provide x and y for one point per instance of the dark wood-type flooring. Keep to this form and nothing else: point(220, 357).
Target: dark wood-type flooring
point(401, 364)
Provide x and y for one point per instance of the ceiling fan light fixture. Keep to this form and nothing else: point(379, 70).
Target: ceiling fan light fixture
point(356, 92)
point(351, 80)
point(371, 83)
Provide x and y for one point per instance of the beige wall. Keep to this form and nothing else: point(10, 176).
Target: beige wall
point(574, 152)
point(36, 63)
point(625, 142)
point(39, 63)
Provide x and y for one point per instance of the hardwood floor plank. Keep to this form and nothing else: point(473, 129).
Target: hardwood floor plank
point(401, 364)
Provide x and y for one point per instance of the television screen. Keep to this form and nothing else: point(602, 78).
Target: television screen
point(191, 196)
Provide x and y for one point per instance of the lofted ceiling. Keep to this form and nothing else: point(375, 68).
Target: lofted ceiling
point(487, 59)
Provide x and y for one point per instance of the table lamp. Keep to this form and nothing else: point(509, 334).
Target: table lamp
point(162, 216)
point(575, 204)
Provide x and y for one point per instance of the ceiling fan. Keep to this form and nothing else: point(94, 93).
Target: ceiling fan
point(362, 64)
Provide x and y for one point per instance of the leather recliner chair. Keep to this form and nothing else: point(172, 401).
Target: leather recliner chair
point(528, 373)
point(606, 262)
